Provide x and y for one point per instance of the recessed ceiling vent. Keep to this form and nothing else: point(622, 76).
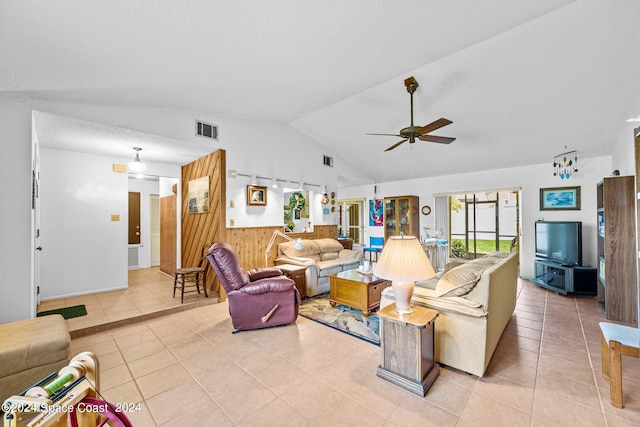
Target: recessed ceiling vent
point(327, 160)
point(206, 130)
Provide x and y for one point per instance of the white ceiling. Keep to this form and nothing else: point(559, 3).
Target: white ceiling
point(520, 80)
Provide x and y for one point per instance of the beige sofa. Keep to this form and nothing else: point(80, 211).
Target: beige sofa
point(476, 300)
point(322, 257)
point(30, 350)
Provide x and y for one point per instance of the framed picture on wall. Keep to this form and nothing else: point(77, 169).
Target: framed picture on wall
point(560, 198)
point(199, 195)
point(256, 195)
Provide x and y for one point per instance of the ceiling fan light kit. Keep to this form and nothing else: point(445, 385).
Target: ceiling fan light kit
point(412, 132)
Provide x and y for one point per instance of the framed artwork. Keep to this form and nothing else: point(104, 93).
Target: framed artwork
point(256, 195)
point(560, 198)
point(199, 195)
point(375, 213)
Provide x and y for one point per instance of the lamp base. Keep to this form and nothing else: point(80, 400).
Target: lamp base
point(404, 310)
point(403, 292)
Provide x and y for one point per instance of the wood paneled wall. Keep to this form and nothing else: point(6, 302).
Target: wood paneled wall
point(198, 229)
point(251, 242)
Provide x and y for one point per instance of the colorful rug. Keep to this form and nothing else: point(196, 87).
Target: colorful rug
point(343, 318)
point(67, 312)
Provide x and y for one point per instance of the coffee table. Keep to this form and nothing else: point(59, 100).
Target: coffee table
point(356, 290)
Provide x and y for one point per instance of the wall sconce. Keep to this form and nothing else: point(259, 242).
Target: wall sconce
point(254, 180)
point(274, 183)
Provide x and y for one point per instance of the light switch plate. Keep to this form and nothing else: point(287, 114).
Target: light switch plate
point(115, 217)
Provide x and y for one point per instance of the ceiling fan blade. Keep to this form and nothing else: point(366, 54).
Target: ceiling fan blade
point(434, 125)
point(439, 139)
point(386, 134)
point(395, 145)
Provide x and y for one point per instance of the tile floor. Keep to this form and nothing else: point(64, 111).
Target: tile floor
point(187, 369)
point(150, 294)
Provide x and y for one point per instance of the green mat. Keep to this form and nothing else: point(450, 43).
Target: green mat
point(67, 312)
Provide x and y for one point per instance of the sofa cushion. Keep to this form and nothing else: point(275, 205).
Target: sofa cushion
point(497, 255)
point(328, 256)
point(328, 245)
point(428, 284)
point(349, 256)
point(460, 280)
point(327, 268)
point(309, 250)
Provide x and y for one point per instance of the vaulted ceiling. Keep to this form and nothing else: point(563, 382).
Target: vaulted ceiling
point(520, 80)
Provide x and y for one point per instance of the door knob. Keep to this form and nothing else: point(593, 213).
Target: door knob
point(39, 248)
point(137, 233)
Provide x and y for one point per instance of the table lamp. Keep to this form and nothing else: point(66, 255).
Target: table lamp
point(297, 246)
point(403, 261)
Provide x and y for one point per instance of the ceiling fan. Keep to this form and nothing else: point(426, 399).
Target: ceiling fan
point(420, 132)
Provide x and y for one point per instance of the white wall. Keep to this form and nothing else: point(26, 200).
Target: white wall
point(261, 148)
point(16, 244)
point(84, 250)
point(530, 179)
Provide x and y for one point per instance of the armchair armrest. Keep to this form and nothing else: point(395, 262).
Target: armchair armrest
point(263, 272)
point(270, 284)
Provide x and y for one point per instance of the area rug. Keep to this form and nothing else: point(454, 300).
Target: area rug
point(67, 312)
point(343, 318)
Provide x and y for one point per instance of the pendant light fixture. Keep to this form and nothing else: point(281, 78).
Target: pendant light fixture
point(136, 165)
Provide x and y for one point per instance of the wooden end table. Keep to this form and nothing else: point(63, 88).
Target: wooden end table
point(356, 290)
point(408, 348)
point(296, 273)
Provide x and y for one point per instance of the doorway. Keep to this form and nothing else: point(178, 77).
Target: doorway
point(483, 222)
point(351, 219)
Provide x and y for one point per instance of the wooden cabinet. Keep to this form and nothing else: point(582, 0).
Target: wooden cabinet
point(356, 290)
point(408, 348)
point(401, 216)
point(616, 242)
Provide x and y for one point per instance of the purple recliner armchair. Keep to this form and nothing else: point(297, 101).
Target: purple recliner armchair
point(258, 298)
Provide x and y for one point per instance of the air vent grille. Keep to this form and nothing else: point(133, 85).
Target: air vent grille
point(327, 161)
point(206, 130)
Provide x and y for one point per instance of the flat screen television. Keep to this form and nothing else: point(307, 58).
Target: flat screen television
point(559, 241)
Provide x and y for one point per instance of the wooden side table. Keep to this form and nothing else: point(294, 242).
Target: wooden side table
point(346, 243)
point(407, 341)
point(296, 273)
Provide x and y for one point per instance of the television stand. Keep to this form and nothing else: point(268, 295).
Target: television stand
point(565, 279)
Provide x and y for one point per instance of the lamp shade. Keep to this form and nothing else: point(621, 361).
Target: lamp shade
point(403, 261)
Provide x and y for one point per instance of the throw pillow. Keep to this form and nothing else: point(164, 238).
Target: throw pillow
point(459, 281)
